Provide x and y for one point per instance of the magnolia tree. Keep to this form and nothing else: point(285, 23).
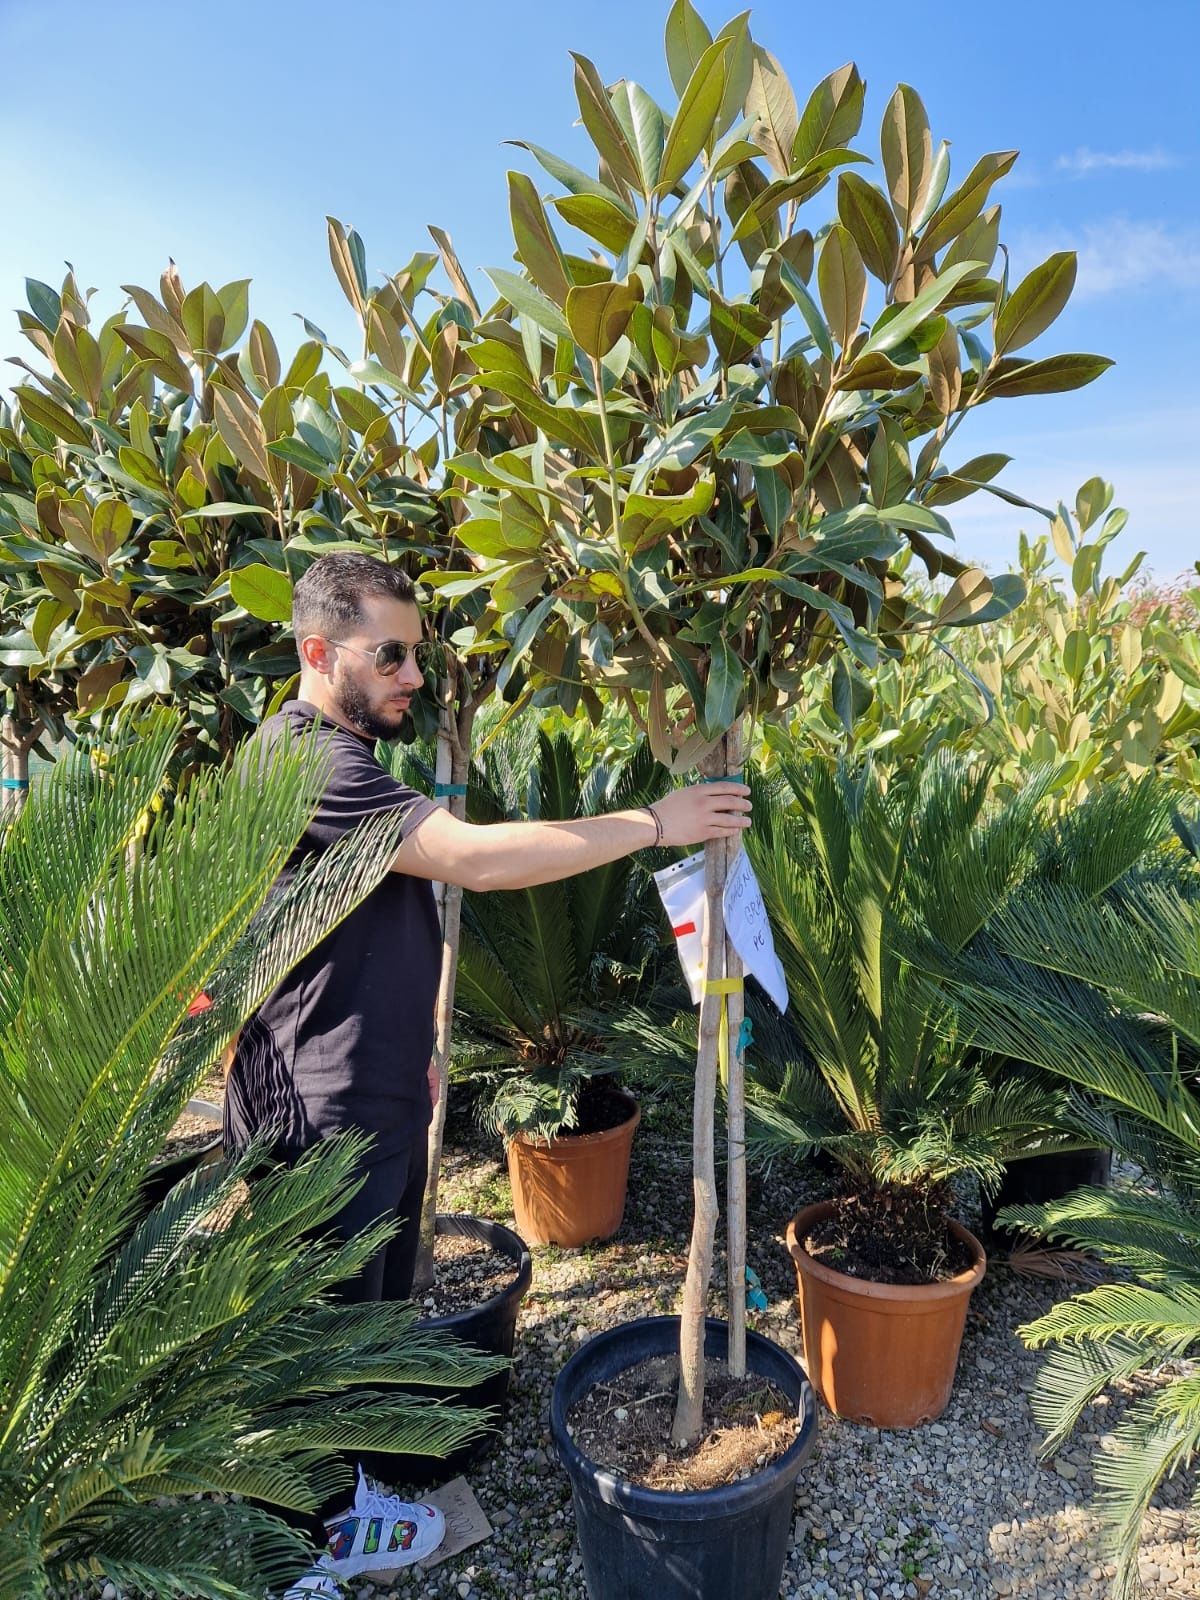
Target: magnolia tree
point(163, 482)
point(730, 420)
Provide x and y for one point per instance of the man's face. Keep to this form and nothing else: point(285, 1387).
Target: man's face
point(373, 704)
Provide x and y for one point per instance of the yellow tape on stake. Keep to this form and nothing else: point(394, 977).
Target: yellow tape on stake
point(724, 987)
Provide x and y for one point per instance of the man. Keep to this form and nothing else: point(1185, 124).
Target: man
point(346, 1039)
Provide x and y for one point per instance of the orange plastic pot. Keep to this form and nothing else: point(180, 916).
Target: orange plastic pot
point(880, 1353)
point(571, 1189)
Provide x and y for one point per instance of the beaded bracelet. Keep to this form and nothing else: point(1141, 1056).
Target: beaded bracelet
point(658, 827)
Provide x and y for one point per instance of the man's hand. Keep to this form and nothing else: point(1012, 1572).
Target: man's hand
point(434, 1085)
point(704, 811)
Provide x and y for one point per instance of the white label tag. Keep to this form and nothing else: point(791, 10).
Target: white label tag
point(749, 929)
point(681, 887)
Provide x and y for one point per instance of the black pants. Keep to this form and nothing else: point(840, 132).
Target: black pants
point(393, 1188)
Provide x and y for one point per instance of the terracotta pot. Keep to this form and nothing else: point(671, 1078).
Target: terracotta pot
point(880, 1353)
point(571, 1189)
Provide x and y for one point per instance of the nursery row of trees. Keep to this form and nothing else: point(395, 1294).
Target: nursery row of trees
point(686, 478)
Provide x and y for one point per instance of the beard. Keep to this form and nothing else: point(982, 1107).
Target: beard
point(358, 711)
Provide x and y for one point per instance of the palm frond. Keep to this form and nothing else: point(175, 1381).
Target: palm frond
point(145, 1358)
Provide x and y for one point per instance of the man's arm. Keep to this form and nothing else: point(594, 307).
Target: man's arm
point(518, 855)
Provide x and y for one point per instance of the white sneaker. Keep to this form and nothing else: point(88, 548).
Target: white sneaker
point(316, 1584)
point(379, 1533)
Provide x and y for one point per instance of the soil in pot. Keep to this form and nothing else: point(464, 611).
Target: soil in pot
point(625, 1424)
point(466, 1273)
point(890, 1235)
point(571, 1189)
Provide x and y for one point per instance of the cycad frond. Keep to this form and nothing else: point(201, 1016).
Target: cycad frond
point(537, 966)
point(1152, 1444)
point(176, 1355)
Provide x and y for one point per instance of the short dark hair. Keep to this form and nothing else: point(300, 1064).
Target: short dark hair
point(328, 598)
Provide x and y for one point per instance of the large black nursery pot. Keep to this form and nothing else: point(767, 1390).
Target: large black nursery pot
point(652, 1544)
point(491, 1328)
point(1035, 1180)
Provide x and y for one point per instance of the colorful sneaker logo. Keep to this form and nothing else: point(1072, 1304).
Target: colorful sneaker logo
point(341, 1537)
point(403, 1535)
point(371, 1542)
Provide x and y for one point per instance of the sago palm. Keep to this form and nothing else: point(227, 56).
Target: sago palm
point(881, 1074)
point(1129, 1057)
point(541, 969)
point(195, 1352)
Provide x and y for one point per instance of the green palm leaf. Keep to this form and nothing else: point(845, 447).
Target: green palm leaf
point(194, 1351)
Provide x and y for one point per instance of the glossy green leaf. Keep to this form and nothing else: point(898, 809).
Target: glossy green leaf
point(263, 592)
point(203, 319)
point(842, 281)
point(235, 307)
point(907, 148)
point(645, 130)
point(772, 105)
point(687, 38)
point(571, 178)
point(739, 68)
point(962, 206)
point(1092, 500)
point(603, 220)
point(537, 247)
point(318, 429)
point(832, 116)
point(598, 314)
point(39, 408)
point(723, 690)
point(299, 454)
point(601, 123)
point(525, 635)
point(889, 471)
point(895, 326)
point(875, 372)
point(1036, 301)
point(529, 301)
point(44, 302)
point(867, 216)
point(1052, 375)
point(692, 126)
point(736, 328)
point(808, 309)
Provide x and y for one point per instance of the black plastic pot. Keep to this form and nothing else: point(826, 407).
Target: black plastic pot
point(1034, 1180)
point(712, 1544)
point(491, 1328)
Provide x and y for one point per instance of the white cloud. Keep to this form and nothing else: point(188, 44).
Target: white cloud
point(1084, 161)
point(1119, 253)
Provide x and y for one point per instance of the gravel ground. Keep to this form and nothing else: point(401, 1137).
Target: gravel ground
point(960, 1508)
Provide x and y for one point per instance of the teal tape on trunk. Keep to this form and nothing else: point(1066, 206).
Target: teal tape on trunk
point(442, 790)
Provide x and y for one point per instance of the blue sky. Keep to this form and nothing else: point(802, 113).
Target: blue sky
point(222, 134)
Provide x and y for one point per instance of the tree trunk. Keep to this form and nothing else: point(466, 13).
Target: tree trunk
point(689, 1408)
point(15, 790)
point(735, 1176)
point(443, 770)
point(459, 742)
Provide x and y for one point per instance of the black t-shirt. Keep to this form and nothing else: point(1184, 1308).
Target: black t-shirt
point(346, 1039)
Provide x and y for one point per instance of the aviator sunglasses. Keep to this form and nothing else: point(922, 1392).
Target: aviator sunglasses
point(391, 655)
